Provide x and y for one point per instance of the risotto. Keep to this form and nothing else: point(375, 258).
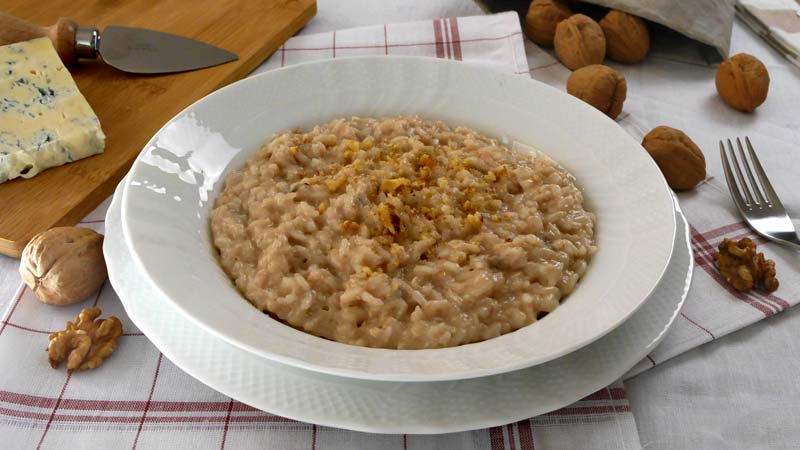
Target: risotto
point(401, 233)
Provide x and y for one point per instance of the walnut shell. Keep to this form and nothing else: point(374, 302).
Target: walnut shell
point(542, 18)
point(579, 42)
point(64, 265)
point(743, 82)
point(678, 157)
point(627, 38)
point(600, 86)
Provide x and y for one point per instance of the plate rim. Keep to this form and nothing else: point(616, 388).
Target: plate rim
point(334, 420)
point(362, 373)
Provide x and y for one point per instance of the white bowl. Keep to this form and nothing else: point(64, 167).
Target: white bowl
point(171, 188)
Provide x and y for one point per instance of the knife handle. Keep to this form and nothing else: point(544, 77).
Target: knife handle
point(62, 34)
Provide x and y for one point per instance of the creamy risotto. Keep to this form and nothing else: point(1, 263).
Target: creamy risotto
point(401, 233)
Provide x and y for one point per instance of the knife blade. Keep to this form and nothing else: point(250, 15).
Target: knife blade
point(135, 50)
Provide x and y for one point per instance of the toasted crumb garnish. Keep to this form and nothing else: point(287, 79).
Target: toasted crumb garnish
point(334, 184)
point(391, 185)
point(426, 160)
point(352, 145)
point(348, 226)
point(475, 219)
point(389, 218)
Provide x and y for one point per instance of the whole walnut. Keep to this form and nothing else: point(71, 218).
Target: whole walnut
point(679, 159)
point(579, 42)
point(743, 82)
point(542, 18)
point(600, 86)
point(64, 265)
point(627, 38)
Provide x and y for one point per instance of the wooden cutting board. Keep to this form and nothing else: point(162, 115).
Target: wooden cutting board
point(132, 107)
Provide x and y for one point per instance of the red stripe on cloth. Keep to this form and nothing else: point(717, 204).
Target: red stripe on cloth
point(24, 414)
point(586, 410)
point(120, 405)
point(704, 260)
point(447, 39)
point(525, 431)
point(437, 34)
point(33, 330)
point(227, 422)
point(496, 440)
point(721, 231)
point(415, 44)
point(149, 399)
point(313, 437)
point(511, 441)
point(13, 308)
point(699, 326)
point(74, 418)
point(334, 44)
point(608, 394)
point(266, 418)
point(55, 408)
point(456, 38)
point(385, 40)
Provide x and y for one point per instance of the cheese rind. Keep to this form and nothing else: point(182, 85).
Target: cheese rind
point(44, 119)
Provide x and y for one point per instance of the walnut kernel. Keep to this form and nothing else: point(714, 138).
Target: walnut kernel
point(85, 343)
point(542, 19)
point(579, 42)
point(64, 265)
point(627, 38)
point(678, 157)
point(600, 86)
point(743, 267)
point(743, 82)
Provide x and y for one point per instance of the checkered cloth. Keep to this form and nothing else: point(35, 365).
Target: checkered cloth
point(140, 400)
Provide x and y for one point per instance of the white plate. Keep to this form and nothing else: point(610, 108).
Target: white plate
point(171, 187)
point(389, 407)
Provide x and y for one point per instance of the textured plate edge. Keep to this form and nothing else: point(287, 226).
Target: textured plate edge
point(427, 430)
point(388, 376)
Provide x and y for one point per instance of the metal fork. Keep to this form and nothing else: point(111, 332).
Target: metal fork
point(760, 206)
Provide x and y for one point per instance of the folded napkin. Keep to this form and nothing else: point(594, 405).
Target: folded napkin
point(777, 21)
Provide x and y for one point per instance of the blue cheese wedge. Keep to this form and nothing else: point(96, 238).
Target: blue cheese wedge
point(44, 119)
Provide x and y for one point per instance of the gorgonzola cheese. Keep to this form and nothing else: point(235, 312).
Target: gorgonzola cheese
point(44, 119)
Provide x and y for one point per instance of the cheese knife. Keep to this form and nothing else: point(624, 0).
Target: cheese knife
point(135, 50)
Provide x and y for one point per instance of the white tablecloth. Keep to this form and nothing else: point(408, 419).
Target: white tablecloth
point(737, 392)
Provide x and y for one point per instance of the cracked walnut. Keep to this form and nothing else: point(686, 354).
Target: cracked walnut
point(743, 267)
point(85, 343)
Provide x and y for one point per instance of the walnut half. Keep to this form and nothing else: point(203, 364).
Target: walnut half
point(743, 267)
point(85, 343)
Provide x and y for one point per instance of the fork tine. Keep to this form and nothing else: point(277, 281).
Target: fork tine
point(746, 164)
point(742, 184)
point(734, 190)
point(769, 193)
